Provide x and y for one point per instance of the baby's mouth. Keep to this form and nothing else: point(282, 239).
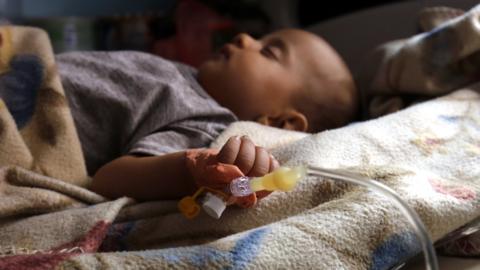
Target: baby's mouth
point(226, 51)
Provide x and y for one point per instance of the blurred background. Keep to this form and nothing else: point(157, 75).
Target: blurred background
point(183, 30)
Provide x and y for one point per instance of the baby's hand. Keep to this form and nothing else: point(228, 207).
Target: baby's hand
point(238, 157)
point(250, 159)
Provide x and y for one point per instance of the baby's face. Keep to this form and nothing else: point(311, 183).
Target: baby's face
point(257, 77)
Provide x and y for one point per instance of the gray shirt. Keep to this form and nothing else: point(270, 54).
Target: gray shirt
point(137, 103)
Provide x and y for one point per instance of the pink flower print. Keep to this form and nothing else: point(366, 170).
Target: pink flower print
point(456, 191)
point(428, 143)
point(44, 260)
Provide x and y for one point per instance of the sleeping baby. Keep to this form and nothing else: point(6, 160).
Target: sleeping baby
point(138, 116)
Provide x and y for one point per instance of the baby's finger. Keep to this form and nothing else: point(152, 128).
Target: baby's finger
point(246, 155)
point(273, 164)
point(230, 150)
point(261, 164)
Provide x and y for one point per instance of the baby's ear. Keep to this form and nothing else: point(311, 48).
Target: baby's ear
point(290, 119)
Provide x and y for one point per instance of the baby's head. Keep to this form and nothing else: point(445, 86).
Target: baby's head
point(289, 79)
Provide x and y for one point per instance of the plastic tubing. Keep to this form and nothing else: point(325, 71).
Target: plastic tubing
point(427, 246)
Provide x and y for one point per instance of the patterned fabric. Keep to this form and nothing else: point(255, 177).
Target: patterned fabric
point(36, 128)
point(402, 72)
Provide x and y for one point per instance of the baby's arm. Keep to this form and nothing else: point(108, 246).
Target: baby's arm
point(167, 177)
point(144, 178)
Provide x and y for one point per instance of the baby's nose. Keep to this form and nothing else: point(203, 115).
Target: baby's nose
point(243, 40)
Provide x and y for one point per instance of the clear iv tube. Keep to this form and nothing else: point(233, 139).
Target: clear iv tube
point(413, 218)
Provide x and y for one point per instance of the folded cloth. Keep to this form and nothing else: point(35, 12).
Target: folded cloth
point(403, 72)
point(432, 17)
point(36, 128)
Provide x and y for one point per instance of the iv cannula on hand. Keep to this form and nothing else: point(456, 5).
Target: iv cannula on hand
point(282, 179)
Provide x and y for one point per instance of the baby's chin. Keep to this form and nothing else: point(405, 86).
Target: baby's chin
point(206, 72)
point(207, 65)
point(209, 70)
